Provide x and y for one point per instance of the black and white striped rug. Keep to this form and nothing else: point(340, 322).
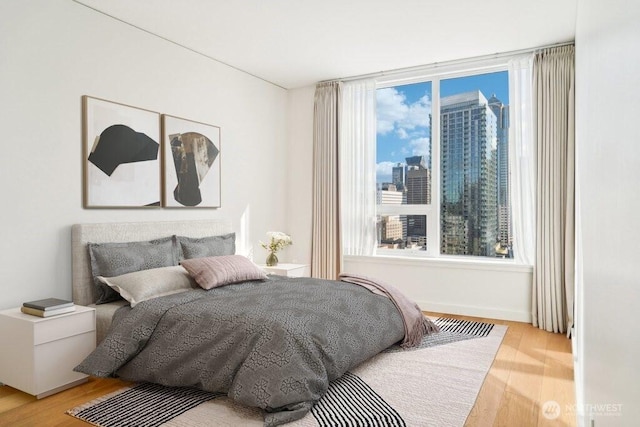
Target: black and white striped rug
point(464, 327)
point(143, 405)
point(349, 401)
point(396, 388)
point(451, 330)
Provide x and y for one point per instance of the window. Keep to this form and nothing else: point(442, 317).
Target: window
point(443, 185)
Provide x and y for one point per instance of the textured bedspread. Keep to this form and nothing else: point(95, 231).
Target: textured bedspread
point(274, 344)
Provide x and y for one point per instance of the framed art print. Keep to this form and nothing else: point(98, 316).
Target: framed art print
point(191, 163)
point(121, 155)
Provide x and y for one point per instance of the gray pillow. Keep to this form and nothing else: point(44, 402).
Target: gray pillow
point(200, 247)
point(115, 259)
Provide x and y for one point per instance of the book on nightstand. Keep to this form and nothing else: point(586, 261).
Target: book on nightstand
point(48, 307)
point(48, 313)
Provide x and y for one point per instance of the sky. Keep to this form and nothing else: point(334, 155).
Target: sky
point(403, 116)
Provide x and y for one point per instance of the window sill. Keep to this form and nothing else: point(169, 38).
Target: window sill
point(443, 262)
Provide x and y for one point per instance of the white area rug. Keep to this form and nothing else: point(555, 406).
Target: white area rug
point(434, 385)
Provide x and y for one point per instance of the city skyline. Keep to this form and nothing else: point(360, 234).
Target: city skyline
point(403, 126)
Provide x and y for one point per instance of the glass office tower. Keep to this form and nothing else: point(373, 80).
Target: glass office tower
point(469, 185)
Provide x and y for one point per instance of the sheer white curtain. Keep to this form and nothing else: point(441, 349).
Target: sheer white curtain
point(522, 158)
point(553, 100)
point(325, 245)
point(357, 167)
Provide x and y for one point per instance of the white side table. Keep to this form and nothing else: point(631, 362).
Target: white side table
point(289, 270)
point(38, 354)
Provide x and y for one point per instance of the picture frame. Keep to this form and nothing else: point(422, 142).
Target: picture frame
point(122, 155)
point(192, 163)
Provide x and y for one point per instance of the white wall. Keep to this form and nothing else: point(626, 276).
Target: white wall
point(455, 287)
point(54, 51)
point(300, 173)
point(608, 162)
point(458, 288)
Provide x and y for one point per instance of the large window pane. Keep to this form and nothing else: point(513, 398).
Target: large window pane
point(474, 176)
point(403, 159)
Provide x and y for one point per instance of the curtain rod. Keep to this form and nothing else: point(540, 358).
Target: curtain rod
point(435, 65)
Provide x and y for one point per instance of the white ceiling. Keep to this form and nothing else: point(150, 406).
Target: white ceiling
point(295, 43)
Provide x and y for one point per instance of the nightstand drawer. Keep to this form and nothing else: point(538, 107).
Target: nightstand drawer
point(69, 352)
point(63, 326)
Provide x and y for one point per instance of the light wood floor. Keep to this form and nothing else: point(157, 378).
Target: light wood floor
point(531, 367)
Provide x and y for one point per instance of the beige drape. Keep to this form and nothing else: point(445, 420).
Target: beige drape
point(325, 245)
point(553, 100)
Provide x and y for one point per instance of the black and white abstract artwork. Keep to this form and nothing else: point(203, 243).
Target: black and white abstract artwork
point(122, 155)
point(192, 163)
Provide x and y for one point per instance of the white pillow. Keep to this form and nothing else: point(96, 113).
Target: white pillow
point(143, 285)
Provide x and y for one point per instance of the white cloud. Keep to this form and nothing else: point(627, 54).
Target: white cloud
point(420, 146)
point(391, 107)
point(402, 133)
point(384, 168)
point(383, 171)
point(394, 113)
point(418, 114)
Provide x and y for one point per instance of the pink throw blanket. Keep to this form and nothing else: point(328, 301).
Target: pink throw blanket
point(416, 324)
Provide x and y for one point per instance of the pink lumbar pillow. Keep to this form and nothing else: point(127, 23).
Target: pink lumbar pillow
point(215, 271)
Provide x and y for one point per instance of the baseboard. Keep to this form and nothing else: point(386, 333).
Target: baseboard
point(475, 311)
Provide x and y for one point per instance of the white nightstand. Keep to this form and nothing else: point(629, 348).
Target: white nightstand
point(289, 270)
point(38, 354)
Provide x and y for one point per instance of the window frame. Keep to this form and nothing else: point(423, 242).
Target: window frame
point(435, 74)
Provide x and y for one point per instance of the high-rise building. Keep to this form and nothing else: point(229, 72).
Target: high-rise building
point(388, 194)
point(468, 150)
point(417, 162)
point(391, 228)
point(418, 184)
point(505, 233)
point(397, 176)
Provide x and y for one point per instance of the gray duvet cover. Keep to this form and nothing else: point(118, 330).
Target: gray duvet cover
point(273, 344)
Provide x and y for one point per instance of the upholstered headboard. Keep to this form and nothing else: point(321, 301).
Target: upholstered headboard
point(81, 234)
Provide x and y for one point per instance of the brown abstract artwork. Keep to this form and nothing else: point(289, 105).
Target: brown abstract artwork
point(192, 163)
point(193, 155)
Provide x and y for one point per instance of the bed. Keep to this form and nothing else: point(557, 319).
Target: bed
point(83, 289)
point(265, 341)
